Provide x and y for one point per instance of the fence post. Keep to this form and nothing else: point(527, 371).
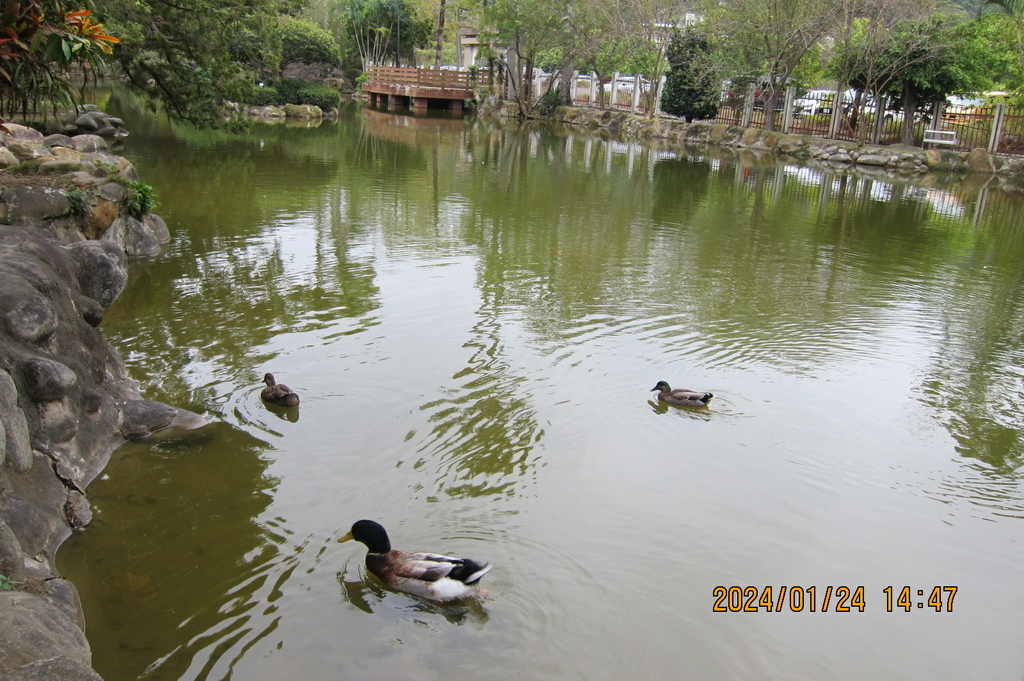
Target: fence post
point(593, 88)
point(997, 128)
point(636, 93)
point(787, 109)
point(837, 113)
point(748, 107)
point(574, 83)
point(615, 91)
point(876, 129)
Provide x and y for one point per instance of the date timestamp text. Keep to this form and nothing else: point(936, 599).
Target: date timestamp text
point(828, 598)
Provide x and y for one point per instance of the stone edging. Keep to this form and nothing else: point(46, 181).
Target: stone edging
point(903, 160)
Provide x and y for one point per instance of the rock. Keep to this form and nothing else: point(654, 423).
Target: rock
point(58, 140)
point(102, 270)
point(61, 165)
point(77, 510)
point(32, 204)
point(12, 557)
point(31, 319)
point(33, 631)
point(53, 669)
point(89, 143)
point(101, 215)
point(979, 161)
point(872, 160)
point(55, 423)
point(66, 153)
point(17, 443)
point(134, 237)
point(45, 380)
point(750, 136)
point(158, 227)
point(22, 133)
point(141, 418)
point(7, 158)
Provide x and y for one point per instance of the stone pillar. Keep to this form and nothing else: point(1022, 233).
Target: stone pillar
point(419, 102)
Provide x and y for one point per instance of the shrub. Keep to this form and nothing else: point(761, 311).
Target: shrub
point(303, 92)
point(79, 200)
point(264, 96)
point(551, 100)
point(140, 199)
point(692, 90)
point(307, 43)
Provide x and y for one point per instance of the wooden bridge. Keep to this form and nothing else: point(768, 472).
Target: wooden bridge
point(417, 88)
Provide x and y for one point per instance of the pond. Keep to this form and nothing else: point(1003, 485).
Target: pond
point(474, 316)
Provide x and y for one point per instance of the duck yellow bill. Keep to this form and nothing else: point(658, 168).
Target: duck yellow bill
point(346, 537)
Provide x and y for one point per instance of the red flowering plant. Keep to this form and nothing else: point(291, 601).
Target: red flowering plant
point(40, 41)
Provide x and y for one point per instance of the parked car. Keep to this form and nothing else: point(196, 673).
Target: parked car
point(815, 102)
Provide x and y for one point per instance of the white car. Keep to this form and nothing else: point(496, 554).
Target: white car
point(815, 102)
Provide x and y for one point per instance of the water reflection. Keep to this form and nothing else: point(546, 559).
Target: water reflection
point(369, 595)
point(475, 313)
point(148, 582)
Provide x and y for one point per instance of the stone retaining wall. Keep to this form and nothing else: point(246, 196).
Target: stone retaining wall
point(66, 400)
point(897, 160)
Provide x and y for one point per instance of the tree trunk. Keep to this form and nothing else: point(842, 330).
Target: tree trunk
point(440, 35)
point(909, 107)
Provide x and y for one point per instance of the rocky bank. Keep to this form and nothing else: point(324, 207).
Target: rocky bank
point(882, 161)
point(69, 224)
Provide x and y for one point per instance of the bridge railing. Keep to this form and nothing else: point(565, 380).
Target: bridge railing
point(442, 79)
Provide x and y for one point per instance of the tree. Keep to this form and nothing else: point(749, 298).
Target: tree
point(1014, 9)
point(525, 27)
point(40, 41)
point(198, 56)
point(383, 28)
point(771, 38)
point(955, 59)
point(909, 51)
point(692, 87)
point(305, 43)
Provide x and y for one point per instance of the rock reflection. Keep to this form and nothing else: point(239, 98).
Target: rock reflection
point(176, 545)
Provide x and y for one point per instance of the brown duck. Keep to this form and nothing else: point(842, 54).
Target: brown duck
point(278, 393)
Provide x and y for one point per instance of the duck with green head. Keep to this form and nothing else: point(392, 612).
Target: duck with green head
point(682, 397)
point(428, 575)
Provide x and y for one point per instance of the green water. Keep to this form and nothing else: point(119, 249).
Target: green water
point(474, 317)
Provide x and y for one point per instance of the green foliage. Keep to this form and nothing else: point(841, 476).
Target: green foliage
point(384, 30)
point(303, 92)
point(266, 95)
point(195, 57)
point(79, 200)
point(6, 584)
point(551, 100)
point(140, 198)
point(306, 43)
point(692, 85)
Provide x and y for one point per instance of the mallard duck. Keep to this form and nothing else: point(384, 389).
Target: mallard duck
point(681, 397)
point(429, 575)
point(278, 393)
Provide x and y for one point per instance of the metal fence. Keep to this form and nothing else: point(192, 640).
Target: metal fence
point(998, 128)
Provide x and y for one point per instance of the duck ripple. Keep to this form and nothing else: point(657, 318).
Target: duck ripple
point(244, 614)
